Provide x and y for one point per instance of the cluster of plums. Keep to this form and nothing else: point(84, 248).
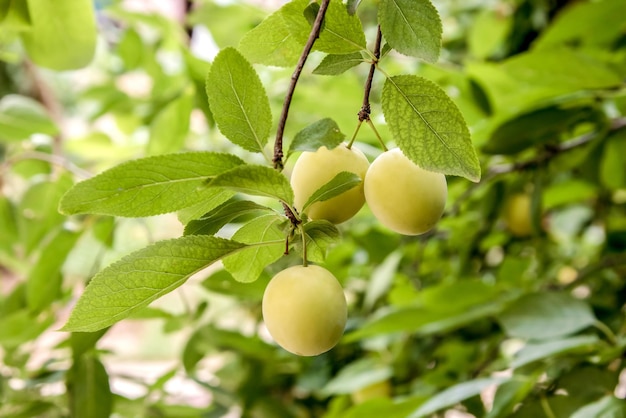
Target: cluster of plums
point(304, 307)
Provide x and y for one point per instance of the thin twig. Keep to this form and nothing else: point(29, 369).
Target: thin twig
point(364, 113)
point(280, 130)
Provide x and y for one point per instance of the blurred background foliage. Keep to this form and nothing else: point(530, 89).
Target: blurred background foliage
point(513, 306)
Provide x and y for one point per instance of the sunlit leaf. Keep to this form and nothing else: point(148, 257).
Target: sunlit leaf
point(428, 127)
point(323, 133)
point(334, 64)
point(342, 32)
point(142, 277)
point(271, 43)
point(248, 264)
point(412, 27)
point(63, 33)
point(238, 101)
point(256, 180)
point(149, 186)
point(212, 221)
point(339, 184)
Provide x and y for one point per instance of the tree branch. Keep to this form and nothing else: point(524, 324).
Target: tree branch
point(280, 130)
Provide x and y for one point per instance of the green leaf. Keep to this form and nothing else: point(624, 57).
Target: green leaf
point(8, 225)
point(14, 15)
point(88, 388)
point(213, 199)
point(256, 180)
point(488, 33)
point(342, 182)
point(44, 281)
point(248, 264)
point(224, 283)
point(238, 101)
point(323, 133)
point(428, 127)
point(170, 127)
point(584, 24)
point(542, 316)
point(607, 407)
point(21, 116)
point(456, 394)
point(142, 277)
point(342, 32)
point(38, 214)
point(538, 127)
point(214, 220)
point(381, 280)
point(63, 33)
point(320, 234)
point(611, 167)
point(82, 342)
point(509, 395)
point(149, 186)
point(334, 64)
point(357, 375)
point(271, 43)
point(550, 349)
point(22, 326)
point(353, 5)
point(412, 27)
point(423, 321)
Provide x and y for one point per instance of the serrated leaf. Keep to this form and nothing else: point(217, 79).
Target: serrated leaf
point(271, 43)
point(44, 281)
point(320, 234)
point(342, 182)
point(256, 180)
point(62, 34)
point(412, 27)
point(248, 264)
point(456, 394)
point(323, 133)
point(20, 117)
point(334, 64)
point(342, 33)
point(238, 101)
point(428, 127)
point(149, 186)
point(542, 316)
point(142, 277)
point(211, 222)
point(214, 199)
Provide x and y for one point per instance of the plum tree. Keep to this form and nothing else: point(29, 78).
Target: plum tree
point(314, 169)
point(404, 197)
point(517, 215)
point(305, 310)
